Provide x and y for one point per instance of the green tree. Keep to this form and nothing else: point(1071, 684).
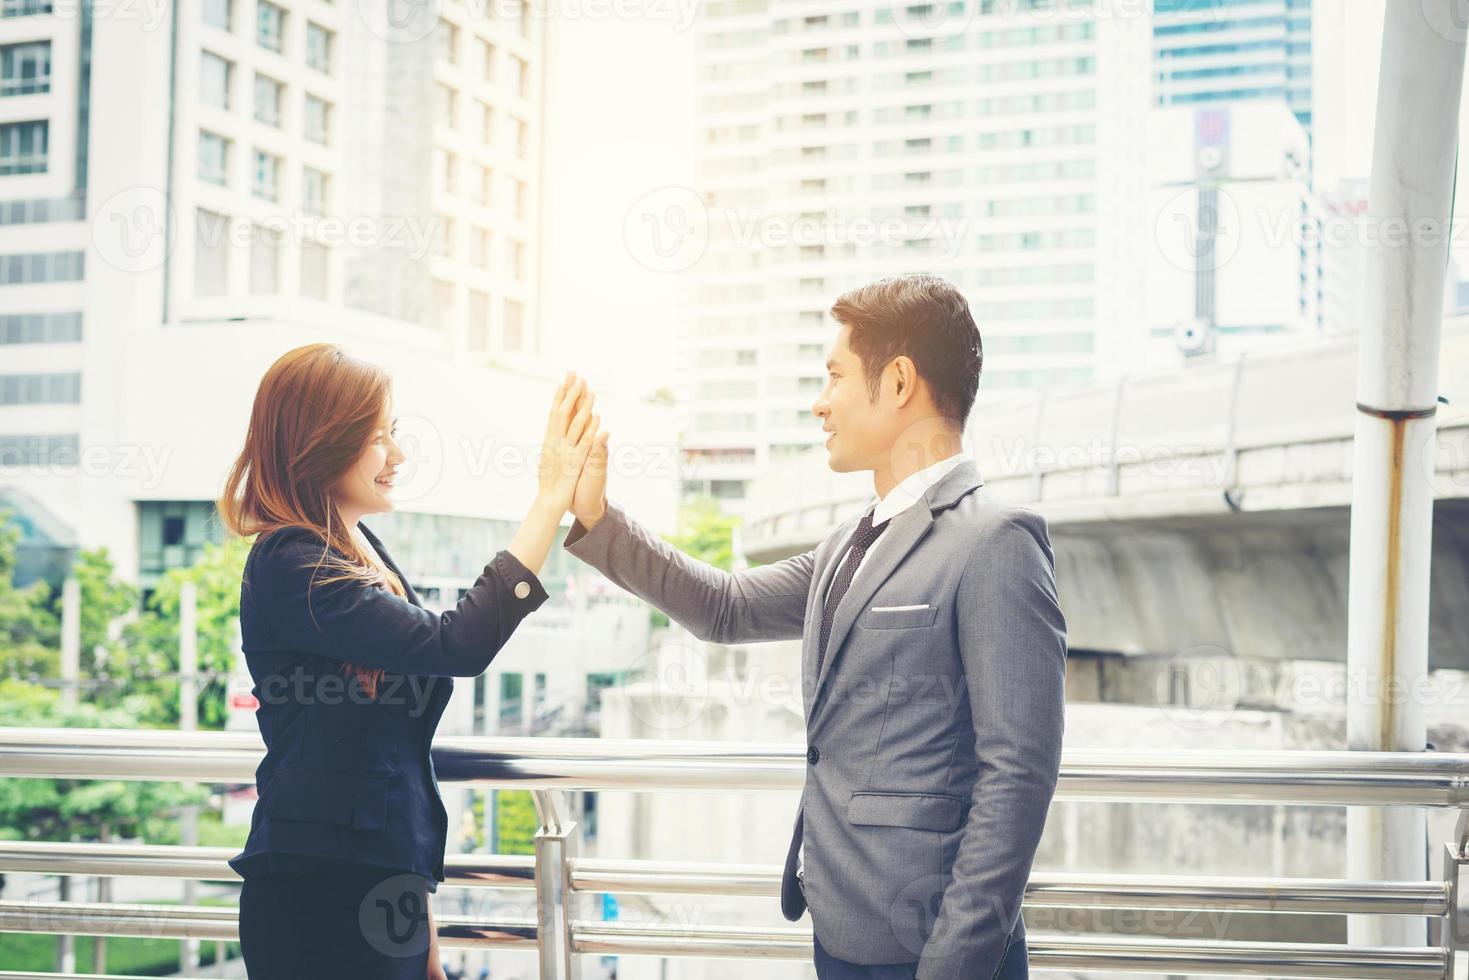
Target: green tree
point(80, 809)
point(104, 598)
point(30, 632)
point(516, 822)
point(706, 532)
point(145, 660)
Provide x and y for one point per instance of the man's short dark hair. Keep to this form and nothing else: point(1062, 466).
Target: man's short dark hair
point(926, 318)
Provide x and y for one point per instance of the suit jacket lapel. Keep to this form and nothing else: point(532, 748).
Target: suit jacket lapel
point(902, 536)
point(812, 639)
point(378, 546)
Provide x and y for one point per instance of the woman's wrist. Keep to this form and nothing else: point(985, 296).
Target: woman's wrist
point(549, 503)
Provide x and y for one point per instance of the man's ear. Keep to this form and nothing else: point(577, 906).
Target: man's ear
point(906, 377)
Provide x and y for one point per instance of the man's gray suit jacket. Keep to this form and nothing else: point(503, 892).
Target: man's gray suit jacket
point(933, 731)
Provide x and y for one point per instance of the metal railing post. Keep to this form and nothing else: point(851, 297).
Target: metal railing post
point(1453, 927)
point(555, 846)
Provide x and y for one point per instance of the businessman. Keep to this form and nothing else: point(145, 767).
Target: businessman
point(933, 664)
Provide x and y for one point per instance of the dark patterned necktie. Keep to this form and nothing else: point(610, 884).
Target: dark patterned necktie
point(861, 541)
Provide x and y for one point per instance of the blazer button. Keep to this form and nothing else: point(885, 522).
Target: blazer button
point(522, 590)
point(813, 756)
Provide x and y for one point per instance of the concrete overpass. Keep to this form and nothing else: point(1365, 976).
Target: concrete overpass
point(1204, 506)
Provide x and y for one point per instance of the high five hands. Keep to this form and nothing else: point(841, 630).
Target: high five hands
point(573, 464)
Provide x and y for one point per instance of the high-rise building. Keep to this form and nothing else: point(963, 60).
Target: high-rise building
point(1237, 256)
point(993, 143)
point(184, 199)
point(1234, 50)
point(195, 177)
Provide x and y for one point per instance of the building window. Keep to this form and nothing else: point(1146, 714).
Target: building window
point(40, 210)
point(443, 236)
point(313, 190)
point(486, 124)
point(267, 177)
point(214, 155)
point(217, 14)
point(443, 304)
point(318, 119)
point(265, 261)
point(445, 107)
point(519, 77)
point(24, 8)
point(25, 69)
point(515, 258)
point(444, 169)
point(211, 254)
point(446, 42)
point(319, 48)
point(41, 450)
point(267, 100)
point(314, 270)
point(514, 325)
point(522, 139)
point(270, 25)
point(479, 321)
point(214, 80)
point(40, 328)
point(41, 389)
point(172, 534)
point(479, 248)
point(40, 267)
point(486, 60)
point(484, 185)
point(521, 196)
point(23, 147)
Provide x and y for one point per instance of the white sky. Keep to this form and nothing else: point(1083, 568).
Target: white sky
point(619, 124)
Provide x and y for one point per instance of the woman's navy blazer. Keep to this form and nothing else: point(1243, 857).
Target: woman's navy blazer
point(346, 779)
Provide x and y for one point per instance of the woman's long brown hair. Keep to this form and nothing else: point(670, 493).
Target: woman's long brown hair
point(315, 413)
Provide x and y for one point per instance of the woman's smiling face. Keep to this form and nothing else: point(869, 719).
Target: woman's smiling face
point(366, 486)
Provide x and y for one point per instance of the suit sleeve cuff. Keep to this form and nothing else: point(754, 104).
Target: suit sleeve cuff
point(579, 540)
point(520, 582)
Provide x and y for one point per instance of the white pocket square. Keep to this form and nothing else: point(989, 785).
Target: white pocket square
point(921, 605)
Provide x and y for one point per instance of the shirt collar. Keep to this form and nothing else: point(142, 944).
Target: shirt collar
point(911, 490)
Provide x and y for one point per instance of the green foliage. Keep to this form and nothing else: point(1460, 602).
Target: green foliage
point(73, 809)
point(133, 673)
point(104, 597)
point(30, 630)
point(145, 659)
point(35, 952)
point(706, 532)
point(516, 822)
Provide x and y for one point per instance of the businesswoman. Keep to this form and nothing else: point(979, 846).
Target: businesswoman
point(351, 672)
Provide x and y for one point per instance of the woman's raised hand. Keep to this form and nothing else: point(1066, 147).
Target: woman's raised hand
point(571, 431)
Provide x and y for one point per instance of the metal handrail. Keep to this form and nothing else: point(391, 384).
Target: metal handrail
point(1046, 889)
point(557, 875)
point(1326, 778)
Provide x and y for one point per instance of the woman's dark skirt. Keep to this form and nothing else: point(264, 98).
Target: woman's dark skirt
point(359, 923)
